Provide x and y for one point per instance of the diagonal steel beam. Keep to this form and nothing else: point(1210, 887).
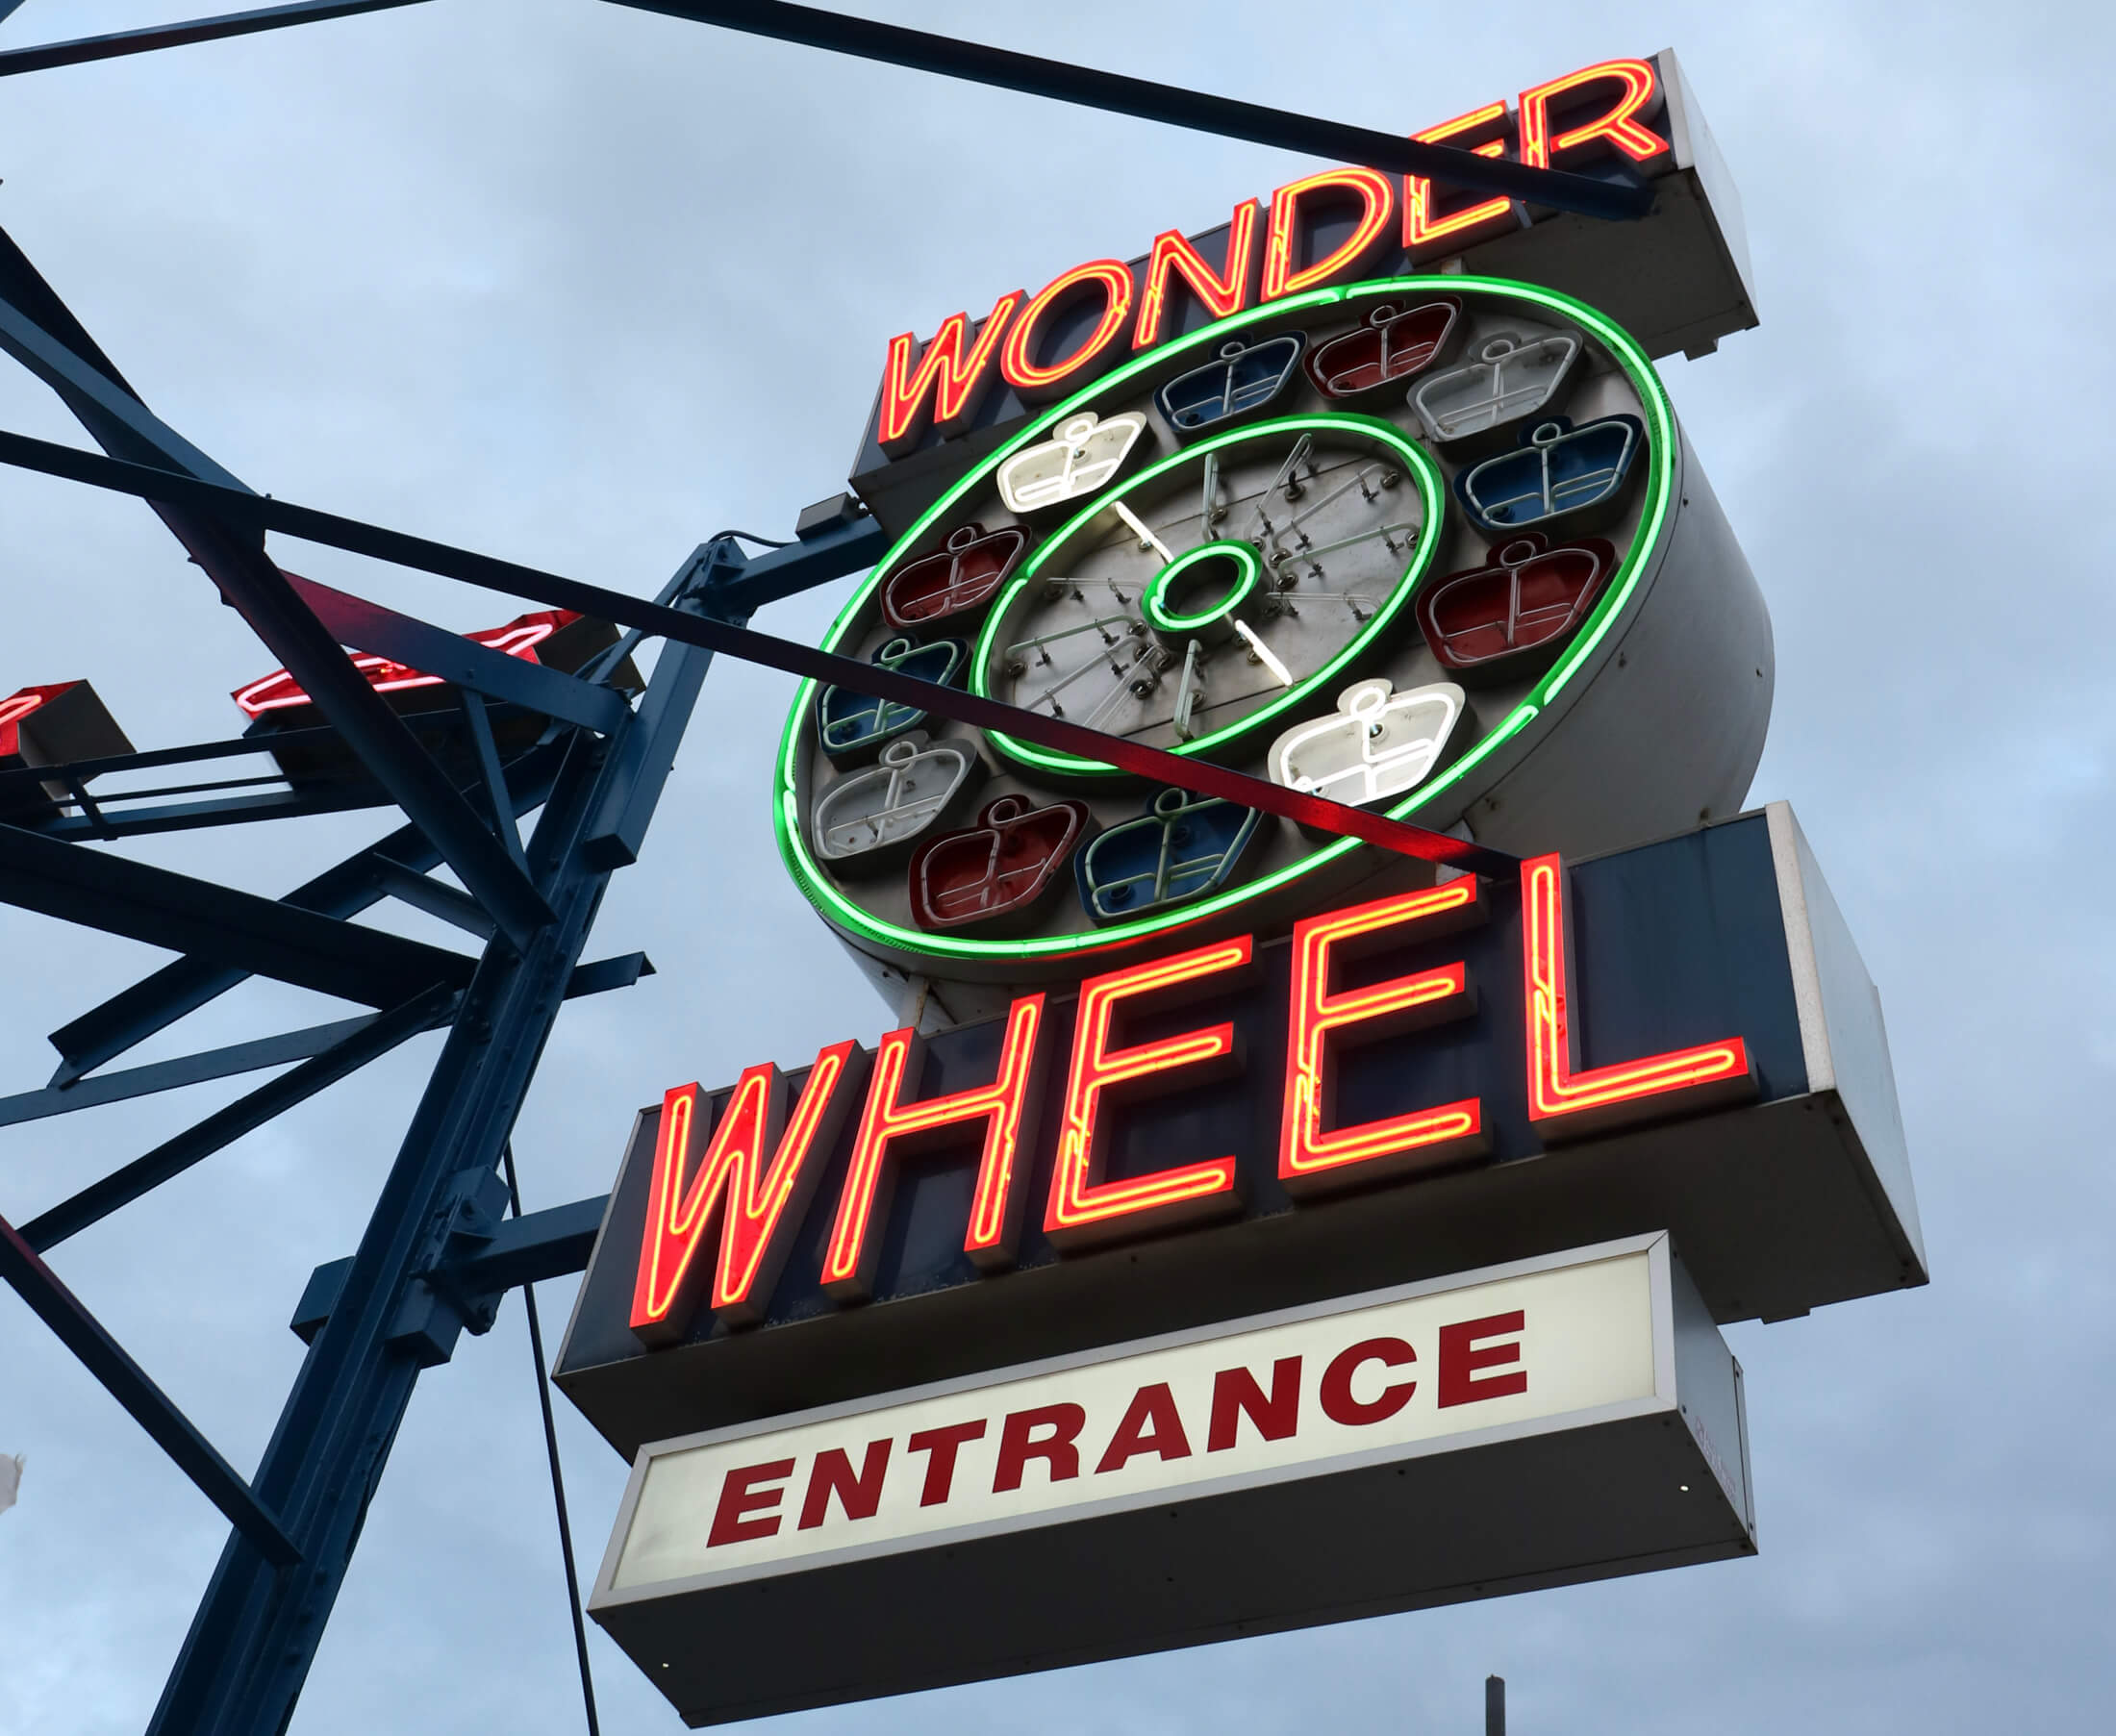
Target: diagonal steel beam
point(162, 908)
point(261, 1053)
point(148, 1406)
point(166, 995)
point(516, 580)
point(46, 55)
point(1144, 99)
point(249, 1112)
point(234, 558)
point(173, 1076)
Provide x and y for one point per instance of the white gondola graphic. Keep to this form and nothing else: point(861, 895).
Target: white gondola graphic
point(1509, 374)
point(1082, 456)
point(874, 816)
point(1380, 743)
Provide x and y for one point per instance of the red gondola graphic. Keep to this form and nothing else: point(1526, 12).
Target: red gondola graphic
point(995, 874)
point(1393, 346)
point(1519, 609)
point(953, 580)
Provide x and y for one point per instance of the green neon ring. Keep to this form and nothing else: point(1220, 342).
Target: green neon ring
point(843, 914)
point(1418, 464)
point(1154, 604)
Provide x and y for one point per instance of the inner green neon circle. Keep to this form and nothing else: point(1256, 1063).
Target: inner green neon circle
point(1336, 427)
point(849, 917)
point(1248, 573)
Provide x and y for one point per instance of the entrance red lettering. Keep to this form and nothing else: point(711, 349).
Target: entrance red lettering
point(940, 1446)
point(859, 1495)
point(1235, 1395)
point(1152, 1424)
point(1461, 1355)
point(1019, 1443)
point(741, 1494)
point(1336, 1395)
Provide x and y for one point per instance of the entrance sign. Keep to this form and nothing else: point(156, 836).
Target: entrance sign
point(1540, 1423)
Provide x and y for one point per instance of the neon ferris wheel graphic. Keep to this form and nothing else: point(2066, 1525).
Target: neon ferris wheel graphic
point(1363, 544)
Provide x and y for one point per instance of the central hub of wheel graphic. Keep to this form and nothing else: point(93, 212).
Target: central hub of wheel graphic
point(1209, 594)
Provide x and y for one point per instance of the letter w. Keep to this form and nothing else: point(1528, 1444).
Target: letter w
point(756, 1177)
point(954, 382)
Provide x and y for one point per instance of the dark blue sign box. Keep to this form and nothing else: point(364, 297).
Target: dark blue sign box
point(1798, 1199)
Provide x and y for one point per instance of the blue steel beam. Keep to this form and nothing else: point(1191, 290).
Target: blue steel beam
point(1145, 99)
point(431, 650)
point(173, 1076)
point(477, 724)
point(47, 55)
point(164, 908)
point(551, 1243)
point(245, 1115)
point(409, 886)
point(100, 1354)
point(160, 999)
point(235, 560)
point(256, 1631)
point(106, 825)
point(649, 754)
point(1153, 763)
point(597, 979)
point(19, 779)
point(115, 814)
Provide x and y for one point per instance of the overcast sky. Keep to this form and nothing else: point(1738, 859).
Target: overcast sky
point(581, 285)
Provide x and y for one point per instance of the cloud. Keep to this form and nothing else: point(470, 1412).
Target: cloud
point(580, 286)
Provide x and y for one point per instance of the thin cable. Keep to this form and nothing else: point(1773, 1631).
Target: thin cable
point(557, 1479)
point(750, 537)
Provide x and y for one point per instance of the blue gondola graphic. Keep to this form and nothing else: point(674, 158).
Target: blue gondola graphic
point(1182, 847)
point(853, 727)
point(1243, 378)
point(1559, 472)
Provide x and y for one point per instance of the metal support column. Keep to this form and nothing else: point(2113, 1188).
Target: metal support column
point(255, 1635)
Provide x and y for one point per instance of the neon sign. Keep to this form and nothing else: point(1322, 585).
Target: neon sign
point(1597, 111)
point(518, 637)
point(761, 1162)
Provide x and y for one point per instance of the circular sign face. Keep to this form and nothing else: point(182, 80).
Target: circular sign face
point(1434, 546)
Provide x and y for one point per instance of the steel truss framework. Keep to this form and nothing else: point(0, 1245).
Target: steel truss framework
point(439, 1251)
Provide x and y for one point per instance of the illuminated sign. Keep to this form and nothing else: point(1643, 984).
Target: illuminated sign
point(1475, 1062)
point(1119, 1297)
point(520, 637)
point(52, 724)
point(1581, 1411)
point(1680, 283)
point(1238, 546)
